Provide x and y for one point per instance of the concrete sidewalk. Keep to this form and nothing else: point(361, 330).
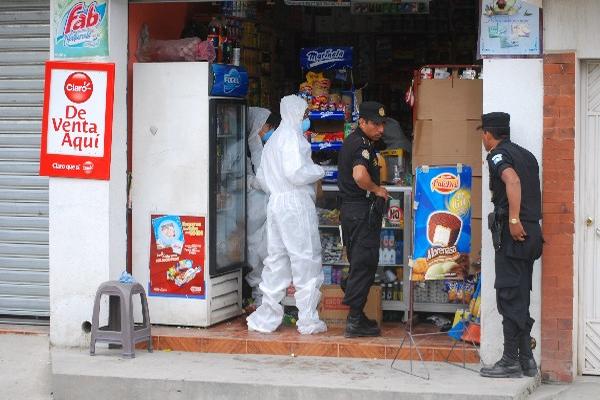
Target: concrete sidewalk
point(24, 367)
point(582, 388)
point(178, 375)
point(26, 374)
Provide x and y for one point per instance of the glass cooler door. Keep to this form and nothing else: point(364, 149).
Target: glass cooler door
point(227, 246)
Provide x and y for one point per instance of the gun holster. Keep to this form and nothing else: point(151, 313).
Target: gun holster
point(376, 211)
point(496, 225)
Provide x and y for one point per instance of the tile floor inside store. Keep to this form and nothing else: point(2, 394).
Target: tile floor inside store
point(233, 337)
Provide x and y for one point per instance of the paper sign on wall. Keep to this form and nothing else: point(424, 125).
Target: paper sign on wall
point(510, 28)
point(81, 29)
point(177, 256)
point(77, 120)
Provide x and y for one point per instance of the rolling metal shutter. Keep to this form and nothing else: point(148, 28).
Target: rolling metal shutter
point(24, 46)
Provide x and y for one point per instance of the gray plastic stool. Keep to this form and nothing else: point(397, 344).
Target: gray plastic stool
point(121, 329)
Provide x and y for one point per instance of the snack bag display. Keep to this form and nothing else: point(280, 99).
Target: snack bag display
point(442, 223)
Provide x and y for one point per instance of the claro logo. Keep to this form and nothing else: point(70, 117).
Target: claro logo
point(78, 87)
point(445, 183)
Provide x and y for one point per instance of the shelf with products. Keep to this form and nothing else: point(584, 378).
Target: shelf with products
point(395, 245)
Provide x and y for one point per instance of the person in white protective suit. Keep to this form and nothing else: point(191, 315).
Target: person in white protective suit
point(261, 124)
point(288, 174)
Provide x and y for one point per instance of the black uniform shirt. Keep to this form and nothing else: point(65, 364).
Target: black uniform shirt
point(357, 150)
point(510, 155)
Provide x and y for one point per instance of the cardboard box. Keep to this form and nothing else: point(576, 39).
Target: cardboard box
point(441, 142)
point(334, 313)
point(449, 99)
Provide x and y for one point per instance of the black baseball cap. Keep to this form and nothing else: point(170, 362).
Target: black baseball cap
point(372, 111)
point(495, 121)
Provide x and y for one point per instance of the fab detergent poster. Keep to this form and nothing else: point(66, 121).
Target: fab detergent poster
point(442, 223)
point(177, 256)
point(81, 29)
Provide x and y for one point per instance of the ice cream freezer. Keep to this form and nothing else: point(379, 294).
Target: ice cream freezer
point(188, 190)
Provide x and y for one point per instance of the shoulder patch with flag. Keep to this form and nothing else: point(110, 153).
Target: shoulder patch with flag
point(365, 154)
point(497, 158)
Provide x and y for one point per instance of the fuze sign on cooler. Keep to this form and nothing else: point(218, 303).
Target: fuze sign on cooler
point(77, 122)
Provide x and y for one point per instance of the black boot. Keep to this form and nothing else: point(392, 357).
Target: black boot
point(369, 322)
point(358, 326)
point(529, 366)
point(508, 366)
point(526, 344)
point(505, 368)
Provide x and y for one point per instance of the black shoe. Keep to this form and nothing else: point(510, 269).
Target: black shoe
point(369, 322)
point(529, 366)
point(505, 368)
point(359, 327)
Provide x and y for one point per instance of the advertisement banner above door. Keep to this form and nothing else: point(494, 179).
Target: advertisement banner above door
point(324, 58)
point(77, 120)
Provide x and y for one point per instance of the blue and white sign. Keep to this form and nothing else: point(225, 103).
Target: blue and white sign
point(511, 28)
point(228, 81)
point(442, 222)
point(323, 58)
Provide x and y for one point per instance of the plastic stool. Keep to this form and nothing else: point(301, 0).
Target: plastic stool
point(121, 329)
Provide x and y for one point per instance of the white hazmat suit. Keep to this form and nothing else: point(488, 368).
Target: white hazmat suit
point(288, 174)
point(257, 203)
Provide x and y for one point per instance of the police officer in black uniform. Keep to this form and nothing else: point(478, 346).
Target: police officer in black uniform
point(358, 180)
point(517, 235)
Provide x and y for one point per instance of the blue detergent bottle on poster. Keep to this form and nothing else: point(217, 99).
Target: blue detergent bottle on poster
point(391, 248)
point(399, 251)
point(382, 240)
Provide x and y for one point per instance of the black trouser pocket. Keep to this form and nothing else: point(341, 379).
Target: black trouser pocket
point(530, 248)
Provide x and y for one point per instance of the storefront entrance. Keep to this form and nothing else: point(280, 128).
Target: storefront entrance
point(388, 51)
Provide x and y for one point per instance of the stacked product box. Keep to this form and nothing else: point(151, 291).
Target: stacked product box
point(447, 114)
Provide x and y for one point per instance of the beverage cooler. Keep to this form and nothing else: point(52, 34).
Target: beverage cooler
point(188, 190)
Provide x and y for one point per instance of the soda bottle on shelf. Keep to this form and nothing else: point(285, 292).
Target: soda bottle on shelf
point(381, 246)
point(228, 52)
point(399, 251)
point(222, 41)
point(391, 248)
point(214, 31)
point(236, 54)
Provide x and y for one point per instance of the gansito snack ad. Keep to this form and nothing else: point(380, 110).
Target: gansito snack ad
point(177, 256)
point(442, 224)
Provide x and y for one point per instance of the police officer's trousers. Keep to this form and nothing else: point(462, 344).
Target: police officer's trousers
point(362, 245)
point(513, 304)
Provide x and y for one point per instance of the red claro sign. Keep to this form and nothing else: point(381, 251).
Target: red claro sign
point(79, 87)
point(77, 120)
